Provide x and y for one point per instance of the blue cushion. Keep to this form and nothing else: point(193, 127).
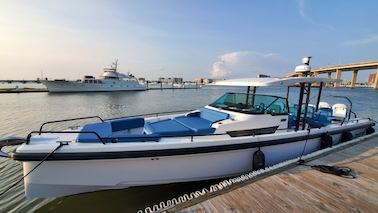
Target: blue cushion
point(212, 115)
point(197, 124)
point(135, 137)
point(167, 127)
point(322, 117)
point(127, 123)
point(103, 129)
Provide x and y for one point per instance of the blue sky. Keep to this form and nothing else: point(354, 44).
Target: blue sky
point(225, 39)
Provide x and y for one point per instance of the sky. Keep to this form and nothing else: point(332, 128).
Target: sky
point(183, 38)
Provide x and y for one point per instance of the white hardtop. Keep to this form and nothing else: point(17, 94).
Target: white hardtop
point(263, 82)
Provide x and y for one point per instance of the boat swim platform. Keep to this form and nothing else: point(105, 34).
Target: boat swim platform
point(303, 189)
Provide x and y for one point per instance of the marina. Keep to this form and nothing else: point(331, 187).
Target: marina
point(121, 104)
point(188, 106)
point(249, 131)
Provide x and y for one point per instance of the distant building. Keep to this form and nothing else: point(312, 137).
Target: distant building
point(203, 80)
point(178, 80)
point(171, 80)
point(142, 80)
point(161, 79)
point(371, 78)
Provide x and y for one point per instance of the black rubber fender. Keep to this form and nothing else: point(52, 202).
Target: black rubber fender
point(346, 136)
point(326, 141)
point(258, 160)
point(370, 130)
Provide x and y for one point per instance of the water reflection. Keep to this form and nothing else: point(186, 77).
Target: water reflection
point(123, 200)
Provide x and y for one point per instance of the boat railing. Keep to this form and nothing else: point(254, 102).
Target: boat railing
point(66, 120)
point(154, 114)
point(114, 139)
point(63, 132)
point(357, 120)
point(157, 114)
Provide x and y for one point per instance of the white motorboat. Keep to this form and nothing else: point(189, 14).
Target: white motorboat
point(237, 133)
point(110, 80)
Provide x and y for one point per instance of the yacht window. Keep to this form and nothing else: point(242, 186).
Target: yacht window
point(252, 104)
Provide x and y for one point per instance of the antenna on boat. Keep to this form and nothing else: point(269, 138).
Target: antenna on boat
point(305, 68)
point(115, 65)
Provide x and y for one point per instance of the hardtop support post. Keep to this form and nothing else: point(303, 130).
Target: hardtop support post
point(319, 95)
point(299, 110)
point(246, 99)
point(308, 92)
point(287, 92)
point(253, 96)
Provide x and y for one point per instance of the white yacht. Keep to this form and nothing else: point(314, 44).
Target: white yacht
point(235, 134)
point(110, 80)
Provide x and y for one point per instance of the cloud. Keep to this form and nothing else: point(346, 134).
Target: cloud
point(248, 64)
point(370, 39)
point(307, 18)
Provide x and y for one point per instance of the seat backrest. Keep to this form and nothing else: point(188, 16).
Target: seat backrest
point(212, 115)
point(339, 110)
point(324, 115)
point(324, 105)
point(127, 123)
point(103, 129)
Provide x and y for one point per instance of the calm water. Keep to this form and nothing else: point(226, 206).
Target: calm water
point(22, 113)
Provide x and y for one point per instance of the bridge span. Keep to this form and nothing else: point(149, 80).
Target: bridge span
point(339, 69)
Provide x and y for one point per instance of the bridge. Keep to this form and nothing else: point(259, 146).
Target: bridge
point(339, 69)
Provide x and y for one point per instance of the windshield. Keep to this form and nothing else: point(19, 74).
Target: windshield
point(252, 104)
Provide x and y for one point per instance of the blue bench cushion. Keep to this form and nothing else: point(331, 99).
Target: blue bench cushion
point(212, 115)
point(135, 137)
point(127, 123)
point(167, 127)
point(197, 124)
point(103, 129)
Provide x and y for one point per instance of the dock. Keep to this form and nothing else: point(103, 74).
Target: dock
point(303, 189)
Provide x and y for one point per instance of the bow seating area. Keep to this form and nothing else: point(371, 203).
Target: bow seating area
point(136, 129)
point(196, 123)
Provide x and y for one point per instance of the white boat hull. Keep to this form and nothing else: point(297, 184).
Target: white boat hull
point(66, 177)
point(106, 86)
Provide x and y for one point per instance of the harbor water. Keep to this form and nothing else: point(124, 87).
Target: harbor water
point(25, 112)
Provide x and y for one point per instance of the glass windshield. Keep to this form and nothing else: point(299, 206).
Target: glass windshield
point(252, 104)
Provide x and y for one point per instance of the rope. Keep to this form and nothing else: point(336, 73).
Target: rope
point(43, 160)
point(300, 161)
point(341, 171)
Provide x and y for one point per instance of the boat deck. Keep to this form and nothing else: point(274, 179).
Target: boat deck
point(302, 189)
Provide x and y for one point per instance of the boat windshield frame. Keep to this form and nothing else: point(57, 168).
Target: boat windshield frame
point(253, 104)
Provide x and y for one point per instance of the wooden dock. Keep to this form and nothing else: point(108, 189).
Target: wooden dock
point(302, 189)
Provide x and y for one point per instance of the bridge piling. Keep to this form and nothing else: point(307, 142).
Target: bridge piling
point(375, 84)
point(338, 77)
point(329, 77)
point(354, 78)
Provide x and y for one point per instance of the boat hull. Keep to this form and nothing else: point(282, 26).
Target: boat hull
point(106, 86)
point(66, 177)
